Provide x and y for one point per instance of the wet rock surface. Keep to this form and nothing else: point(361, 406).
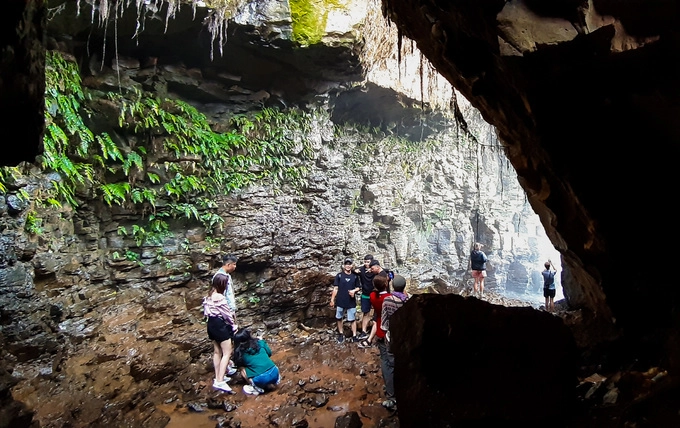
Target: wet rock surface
point(122, 382)
point(321, 381)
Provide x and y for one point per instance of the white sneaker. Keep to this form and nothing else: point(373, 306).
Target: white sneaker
point(231, 371)
point(223, 386)
point(390, 404)
point(250, 390)
point(224, 379)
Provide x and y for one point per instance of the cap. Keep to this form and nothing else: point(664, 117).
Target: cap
point(399, 282)
point(348, 261)
point(374, 262)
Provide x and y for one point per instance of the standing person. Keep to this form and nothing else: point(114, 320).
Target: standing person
point(253, 357)
point(478, 265)
point(376, 269)
point(221, 325)
point(549, 286)
point(228, 266)
point(366, 277)
point(381, 283)
point(345, 286)
point(390, 305)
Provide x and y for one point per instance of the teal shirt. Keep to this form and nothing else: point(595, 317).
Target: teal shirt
point(256, 364)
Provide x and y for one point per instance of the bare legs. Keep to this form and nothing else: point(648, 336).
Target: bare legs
point(217, 355)
point(340, 329)
point(478, 285)
point(221, 355)
point(365, 319)
point(353, 327)
point(374, 330)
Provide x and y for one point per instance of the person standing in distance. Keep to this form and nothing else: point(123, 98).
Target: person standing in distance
point(366, 277)
point(549, 286)
point(345, 286)
point(478, 266)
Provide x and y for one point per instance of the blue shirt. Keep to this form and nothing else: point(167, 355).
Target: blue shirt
point(548, 279)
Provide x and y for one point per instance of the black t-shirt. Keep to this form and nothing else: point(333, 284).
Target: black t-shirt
point(346, 282)
point(366, 277)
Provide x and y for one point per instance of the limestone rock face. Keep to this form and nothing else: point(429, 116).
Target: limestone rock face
point(583, 98)
point(72, 297)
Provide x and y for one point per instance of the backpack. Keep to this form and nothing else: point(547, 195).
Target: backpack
point(399, 303)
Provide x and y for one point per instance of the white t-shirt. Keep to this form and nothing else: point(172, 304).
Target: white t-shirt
point(229, 291)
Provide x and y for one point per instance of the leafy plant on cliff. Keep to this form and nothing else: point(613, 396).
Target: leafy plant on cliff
point(68, 141)
point(5, 174)
point(33, 223)
point(277, 142)
point(191, 167)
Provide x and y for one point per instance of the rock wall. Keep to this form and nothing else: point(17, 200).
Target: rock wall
point(69, 302)
point(416, 191)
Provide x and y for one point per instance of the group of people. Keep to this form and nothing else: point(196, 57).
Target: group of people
point(235, 350)
point(478, 261)
point(380, 293)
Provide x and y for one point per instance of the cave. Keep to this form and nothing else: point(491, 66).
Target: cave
point(584, 97)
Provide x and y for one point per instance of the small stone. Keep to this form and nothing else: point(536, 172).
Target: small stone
point(195, 407)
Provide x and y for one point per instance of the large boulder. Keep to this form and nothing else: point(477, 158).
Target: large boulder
point(465, 362)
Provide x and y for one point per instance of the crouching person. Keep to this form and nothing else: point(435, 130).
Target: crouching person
point(253, 358)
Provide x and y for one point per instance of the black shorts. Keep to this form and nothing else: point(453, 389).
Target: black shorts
point(219, 330)
point(548, 293)
point(365, 304)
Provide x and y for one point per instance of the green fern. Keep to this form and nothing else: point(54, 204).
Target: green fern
point(267, 145)
point(115, 192)
point(33, 224)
